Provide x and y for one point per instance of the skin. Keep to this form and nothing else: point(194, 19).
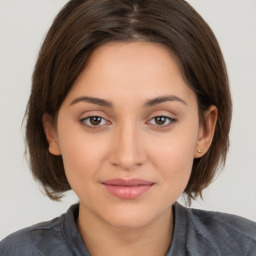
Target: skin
point(128, 141)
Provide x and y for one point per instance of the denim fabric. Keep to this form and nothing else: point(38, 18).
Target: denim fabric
point(196, 233)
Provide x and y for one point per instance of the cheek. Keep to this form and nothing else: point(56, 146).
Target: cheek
point(173, 156)
point(82, 154)
point(175, 166)
point(175, 162)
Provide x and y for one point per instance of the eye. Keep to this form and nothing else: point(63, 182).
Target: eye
point(161, 120)
point(93, 121)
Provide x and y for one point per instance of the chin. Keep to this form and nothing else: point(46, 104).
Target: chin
point(133, 217)
point(129, 222)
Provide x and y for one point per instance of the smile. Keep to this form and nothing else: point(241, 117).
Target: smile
point(127, 189)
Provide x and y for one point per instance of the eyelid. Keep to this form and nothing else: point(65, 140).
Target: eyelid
point(170, 123)
point(90, 113)
point(83, 121)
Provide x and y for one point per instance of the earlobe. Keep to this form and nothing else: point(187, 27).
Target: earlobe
point(206, 131)
point(51, 134)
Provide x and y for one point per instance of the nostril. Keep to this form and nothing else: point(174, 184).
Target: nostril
point(127, 166)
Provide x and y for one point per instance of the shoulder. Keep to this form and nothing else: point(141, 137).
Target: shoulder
point(39, 239)
point(227, 234)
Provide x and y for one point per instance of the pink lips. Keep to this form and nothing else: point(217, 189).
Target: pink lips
point(128, 189)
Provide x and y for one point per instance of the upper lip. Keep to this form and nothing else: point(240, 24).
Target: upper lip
point(127, 182)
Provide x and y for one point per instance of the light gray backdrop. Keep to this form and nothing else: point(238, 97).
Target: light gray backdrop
point(23, 24)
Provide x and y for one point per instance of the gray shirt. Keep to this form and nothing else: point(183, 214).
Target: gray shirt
point(196, 233)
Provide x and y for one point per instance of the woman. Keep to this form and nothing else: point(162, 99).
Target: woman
point(130, 108)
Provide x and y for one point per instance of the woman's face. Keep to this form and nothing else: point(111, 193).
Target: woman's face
point(128, 132)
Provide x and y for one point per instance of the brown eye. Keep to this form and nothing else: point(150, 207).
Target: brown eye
point(93, 121)
point(161, 120)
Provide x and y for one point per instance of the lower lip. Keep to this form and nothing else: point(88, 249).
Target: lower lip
point(128, 192)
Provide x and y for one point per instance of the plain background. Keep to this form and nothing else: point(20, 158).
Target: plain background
point(23, 24)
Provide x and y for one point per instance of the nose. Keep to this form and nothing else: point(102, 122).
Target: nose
point(127, 148)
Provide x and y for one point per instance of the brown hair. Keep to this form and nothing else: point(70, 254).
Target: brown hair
point(81, 27)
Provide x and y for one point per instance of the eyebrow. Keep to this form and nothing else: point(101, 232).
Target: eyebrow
point(149, 103)
point(163, 99)
point(96, 101)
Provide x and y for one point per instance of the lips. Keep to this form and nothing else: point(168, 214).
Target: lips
point(128, 188)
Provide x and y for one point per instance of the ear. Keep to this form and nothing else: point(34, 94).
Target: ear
point(51, 134)
point(206, 131)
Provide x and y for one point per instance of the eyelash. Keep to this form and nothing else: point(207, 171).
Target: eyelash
point(161, 117)
point(85, 121)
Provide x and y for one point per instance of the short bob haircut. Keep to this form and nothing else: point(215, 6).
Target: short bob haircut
point(81, 27)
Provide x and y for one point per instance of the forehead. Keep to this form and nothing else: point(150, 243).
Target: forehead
point(136, 69)
point(137, 56)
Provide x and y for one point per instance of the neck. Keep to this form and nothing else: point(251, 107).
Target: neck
point(152, 239)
